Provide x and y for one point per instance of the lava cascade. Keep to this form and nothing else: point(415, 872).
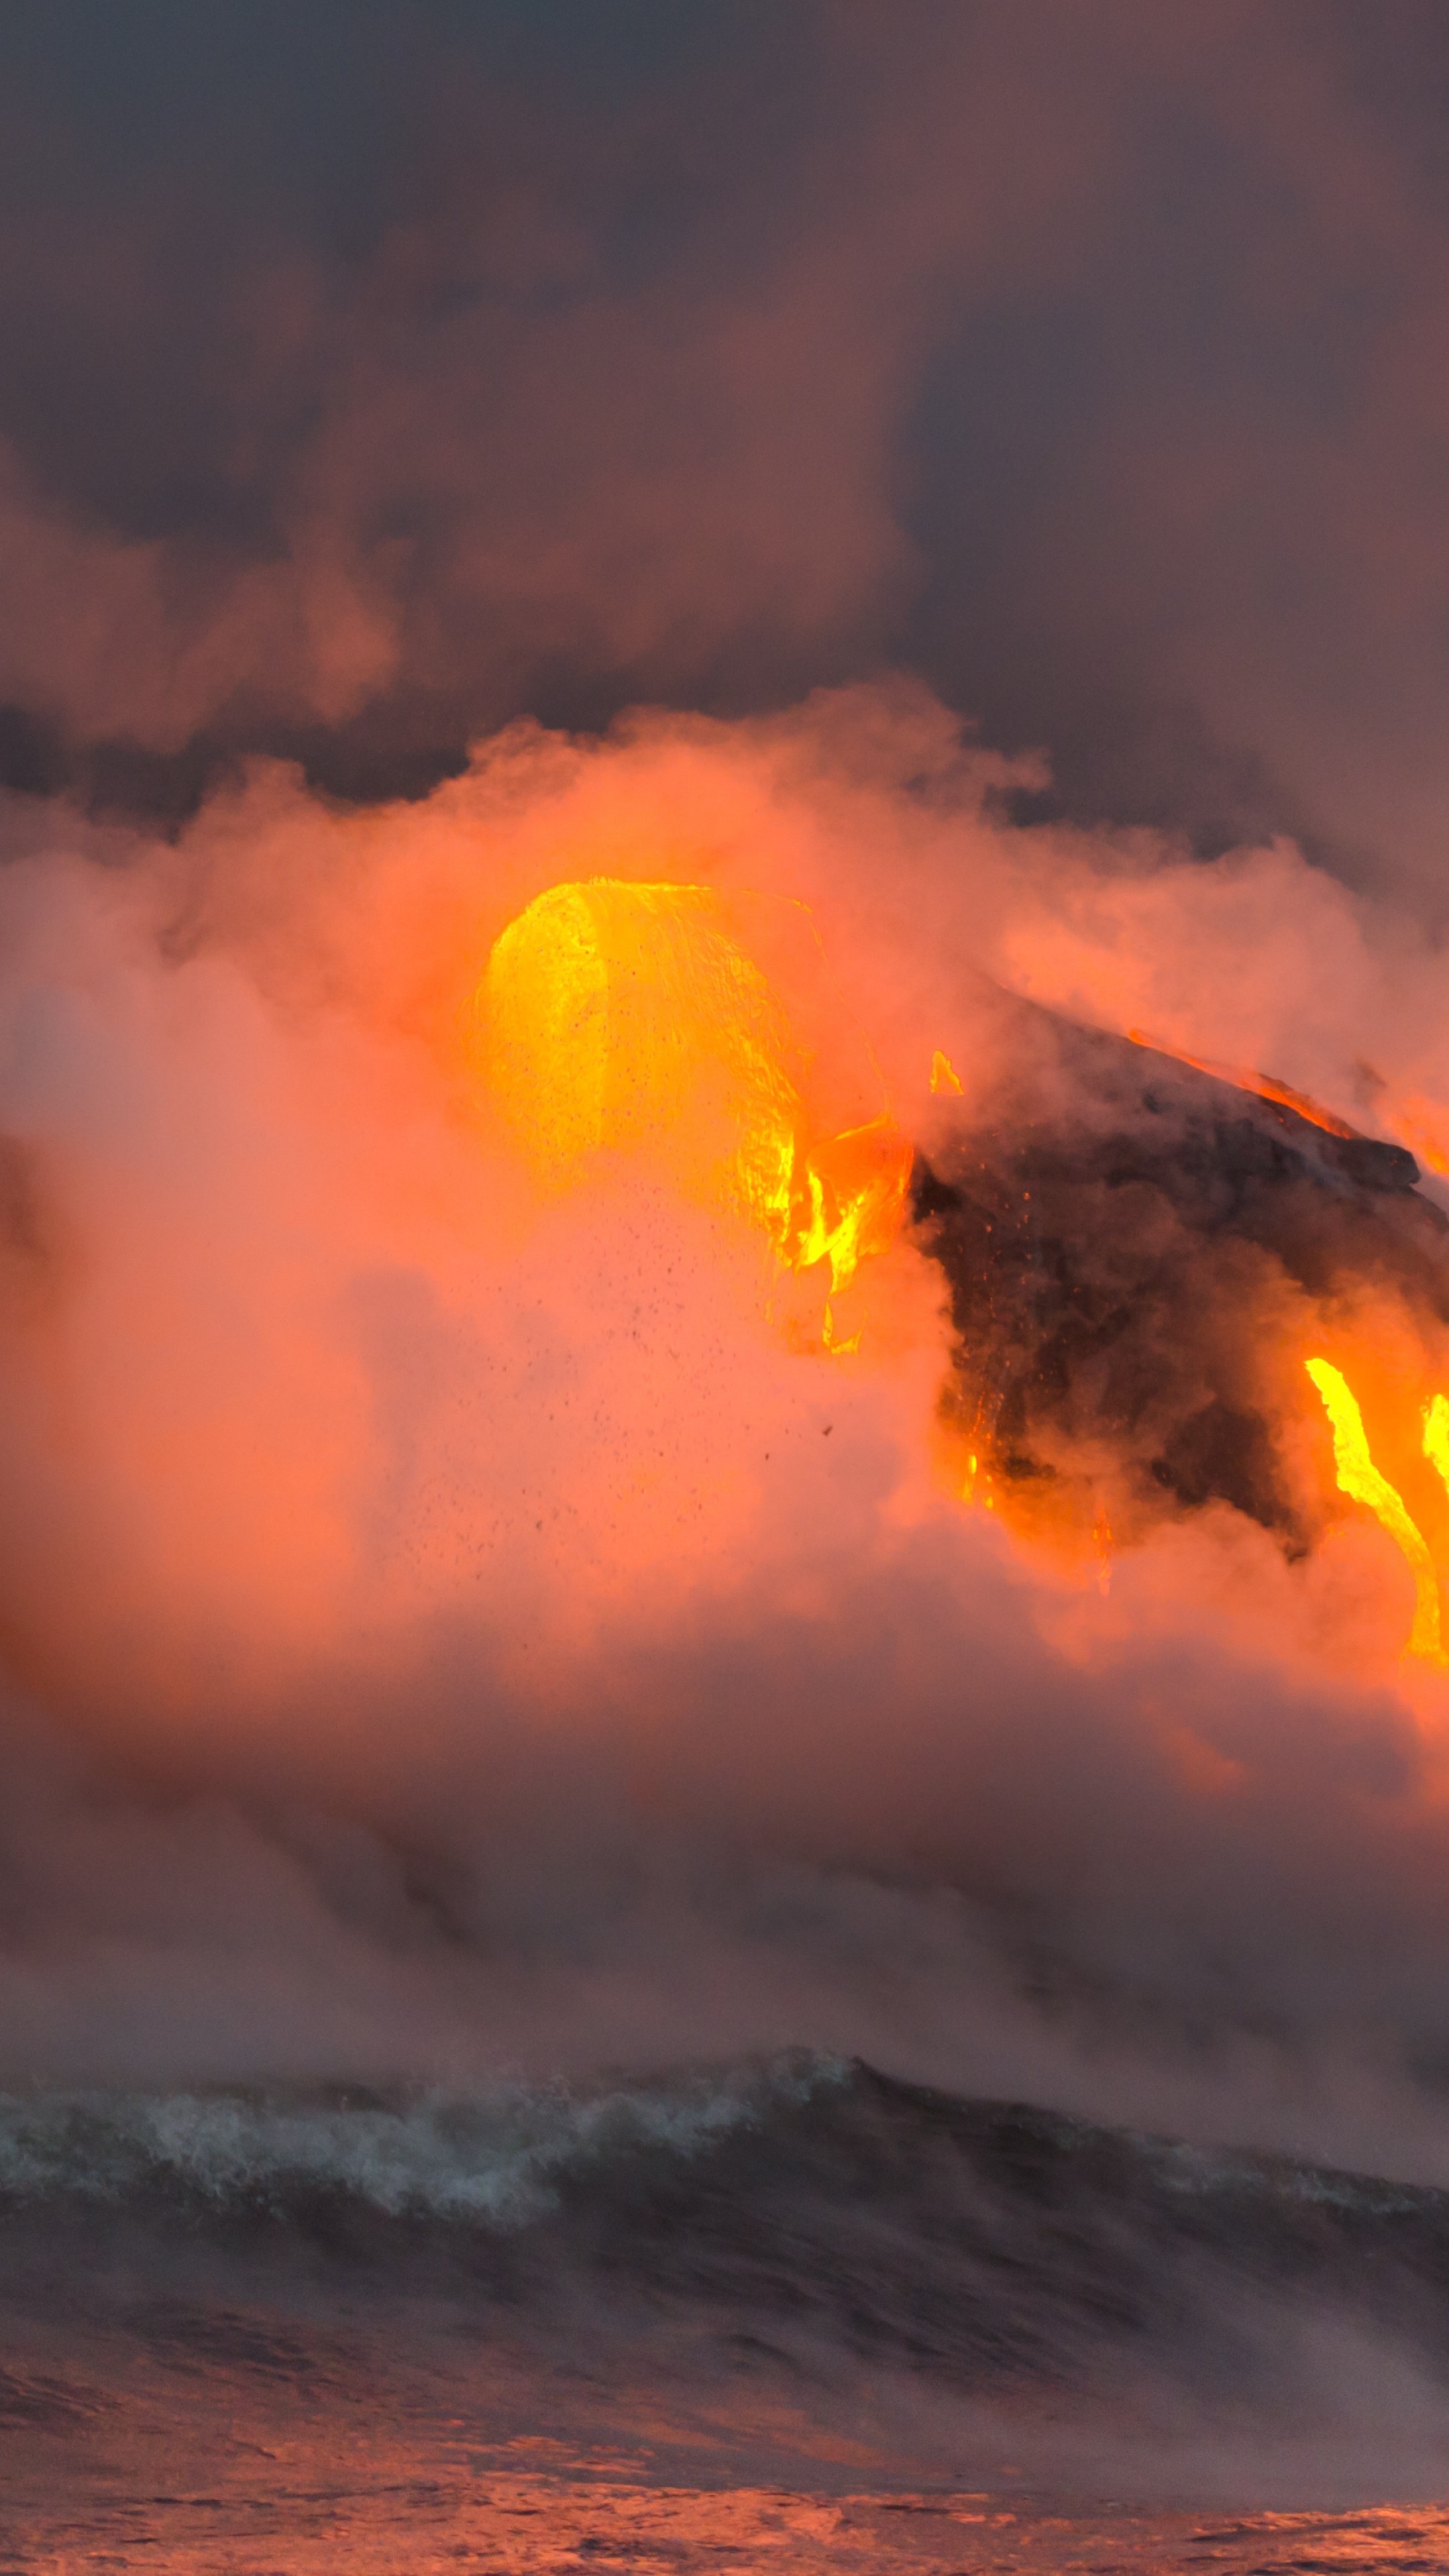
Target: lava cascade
point(624, 1018)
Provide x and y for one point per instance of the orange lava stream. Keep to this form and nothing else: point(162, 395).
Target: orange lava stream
point(1264, 1086)
point(622, 1016)
point(1436, 1435)
point(1360, 1478)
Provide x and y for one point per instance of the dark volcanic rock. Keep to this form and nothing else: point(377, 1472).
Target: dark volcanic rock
point(1124, 1236)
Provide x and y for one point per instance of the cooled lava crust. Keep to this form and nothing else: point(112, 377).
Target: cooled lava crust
point(1118, 1231)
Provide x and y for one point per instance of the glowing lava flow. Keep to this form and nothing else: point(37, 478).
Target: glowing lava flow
point(1436, 1435)
point(1264, 1086)
point(1359, 1477)
point(623, 1017)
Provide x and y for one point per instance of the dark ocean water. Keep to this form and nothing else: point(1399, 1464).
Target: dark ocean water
point(794, 2316)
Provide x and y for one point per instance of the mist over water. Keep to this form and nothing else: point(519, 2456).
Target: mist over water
point(488, 1694)
point(778, 1881)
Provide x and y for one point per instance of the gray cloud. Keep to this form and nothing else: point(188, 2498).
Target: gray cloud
point(478, 366)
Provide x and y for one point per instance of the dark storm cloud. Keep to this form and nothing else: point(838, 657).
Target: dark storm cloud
point(374, 375)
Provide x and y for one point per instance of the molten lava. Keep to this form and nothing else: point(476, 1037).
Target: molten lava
point(1264, 1086)
point(631, 1025)
point(1360, 1478)
point(624, 1018)
point(1436, 1435)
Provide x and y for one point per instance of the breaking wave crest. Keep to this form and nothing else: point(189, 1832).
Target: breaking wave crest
point(497, 2156)
point(841, 2173)
point(802, 2223)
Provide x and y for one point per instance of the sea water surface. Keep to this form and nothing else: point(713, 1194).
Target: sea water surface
point(787, 2316)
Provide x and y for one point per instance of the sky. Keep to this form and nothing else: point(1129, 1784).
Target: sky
point(386, 373)
point(975, 471)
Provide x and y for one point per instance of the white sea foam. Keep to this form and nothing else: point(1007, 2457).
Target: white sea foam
point(496, 2156)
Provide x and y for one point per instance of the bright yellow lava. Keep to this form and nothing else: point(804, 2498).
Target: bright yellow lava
point(1436, 1434)
point(621, 1017)
point(944, 1076)
point(1359, 1477)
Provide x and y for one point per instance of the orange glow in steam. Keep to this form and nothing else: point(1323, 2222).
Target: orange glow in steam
point(1419, 1125)
point(626, 1019)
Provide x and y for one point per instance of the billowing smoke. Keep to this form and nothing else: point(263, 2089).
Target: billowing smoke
point(452, 1626)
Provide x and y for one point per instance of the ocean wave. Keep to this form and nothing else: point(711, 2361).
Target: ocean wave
point(497, 2156)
